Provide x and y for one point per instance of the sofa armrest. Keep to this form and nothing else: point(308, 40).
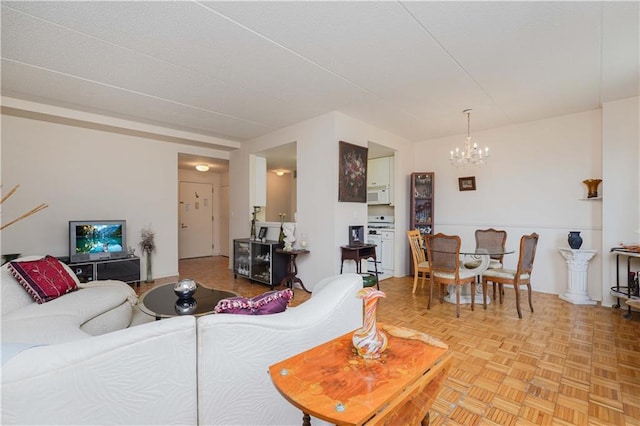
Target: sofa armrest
point(235, 352)
point(140, 375)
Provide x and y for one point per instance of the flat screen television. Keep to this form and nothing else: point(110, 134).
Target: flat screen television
point(91, 240)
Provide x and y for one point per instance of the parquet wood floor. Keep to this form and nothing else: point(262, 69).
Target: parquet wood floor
point(563, 364)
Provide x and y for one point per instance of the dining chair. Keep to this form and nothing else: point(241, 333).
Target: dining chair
point(518, 277)
point(443, 252)
point(492, 240)
point(420, 263)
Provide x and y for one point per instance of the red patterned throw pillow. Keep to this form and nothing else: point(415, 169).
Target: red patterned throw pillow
point(44, 279)
point(270, 302)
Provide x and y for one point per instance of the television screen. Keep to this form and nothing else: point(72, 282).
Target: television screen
point(93, 240)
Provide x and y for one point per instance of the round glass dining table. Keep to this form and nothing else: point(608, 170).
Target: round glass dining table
point(469, 256)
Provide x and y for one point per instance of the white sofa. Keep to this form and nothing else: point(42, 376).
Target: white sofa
point(174, 371)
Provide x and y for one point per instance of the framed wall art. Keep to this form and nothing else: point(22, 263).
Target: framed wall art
point(467, 183)
point(352, 179)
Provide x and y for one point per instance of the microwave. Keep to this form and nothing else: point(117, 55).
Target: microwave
point(378, 195)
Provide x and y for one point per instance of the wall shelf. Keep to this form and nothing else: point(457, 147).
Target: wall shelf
point(591, 199)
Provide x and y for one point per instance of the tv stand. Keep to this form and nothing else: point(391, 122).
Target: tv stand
point(126, 269)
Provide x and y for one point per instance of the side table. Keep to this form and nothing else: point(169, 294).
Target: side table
point(333, 383)
point(358, 254)
point(292, 268)
point(577, 262)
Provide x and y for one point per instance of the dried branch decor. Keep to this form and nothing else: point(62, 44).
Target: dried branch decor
point(24, 216)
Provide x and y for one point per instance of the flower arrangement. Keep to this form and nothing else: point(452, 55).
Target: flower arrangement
point(147, 242)
point(355, 169)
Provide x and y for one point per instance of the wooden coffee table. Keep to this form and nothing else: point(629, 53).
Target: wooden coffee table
point(162, 302)
point(333, 383)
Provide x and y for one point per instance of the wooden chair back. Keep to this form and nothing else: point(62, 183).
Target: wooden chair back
point(444, 252)
point(417, 247)
point(491, 240)
point(528, 246)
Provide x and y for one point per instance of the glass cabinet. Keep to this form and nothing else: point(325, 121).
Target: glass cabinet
point(258, 261)
point(421, 210)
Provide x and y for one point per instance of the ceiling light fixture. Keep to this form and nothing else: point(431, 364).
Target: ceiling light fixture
point(202, 168)
point(280, 172)
point(471, 154)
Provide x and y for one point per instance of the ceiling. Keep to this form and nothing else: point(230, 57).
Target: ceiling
point(238, 70)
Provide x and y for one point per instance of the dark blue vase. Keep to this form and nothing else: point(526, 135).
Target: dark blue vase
point(575, 240)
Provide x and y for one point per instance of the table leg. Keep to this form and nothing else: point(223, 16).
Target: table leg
point(425, 420)
point(292, 272)
point(375, 267)
point(306, 419)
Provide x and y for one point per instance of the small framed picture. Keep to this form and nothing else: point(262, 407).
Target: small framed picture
point(467, 183)
point(262, 234)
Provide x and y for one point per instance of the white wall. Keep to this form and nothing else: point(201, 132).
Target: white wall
point(82, 174)
point(531, 183)
point(621, 182)
point(349, 130)
point(325, 220)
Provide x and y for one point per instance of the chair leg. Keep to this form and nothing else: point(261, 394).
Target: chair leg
point(484, 294)
point(501, 291)
point(415, 282)
point(430, 293)
point(529, 291)
point(473, 295)
point(494, 290)
point(515, 286)
point(457, 301)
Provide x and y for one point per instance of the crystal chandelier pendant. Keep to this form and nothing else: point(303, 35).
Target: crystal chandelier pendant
point(471, 154)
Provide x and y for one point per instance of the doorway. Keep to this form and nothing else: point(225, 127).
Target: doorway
point(214, 242)
point(195, 206)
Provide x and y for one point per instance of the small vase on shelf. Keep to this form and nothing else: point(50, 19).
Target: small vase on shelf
point(592, 187)
point(575, 240)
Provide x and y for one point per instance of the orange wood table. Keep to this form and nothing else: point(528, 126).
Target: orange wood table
point(333, 383)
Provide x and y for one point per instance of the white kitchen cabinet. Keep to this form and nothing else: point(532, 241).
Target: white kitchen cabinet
point(387, 254)
point(379, 171)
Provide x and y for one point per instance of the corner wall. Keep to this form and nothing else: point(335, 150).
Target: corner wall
point(532, 182)
point(325, 220)
point(84, 173)
point(621, 182)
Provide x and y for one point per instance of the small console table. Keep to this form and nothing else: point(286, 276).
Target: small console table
point(332, 382)
point(292, 268)
point(358, 254)
point(577, 262)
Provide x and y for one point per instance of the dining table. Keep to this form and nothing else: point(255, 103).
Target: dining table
point(468, 256)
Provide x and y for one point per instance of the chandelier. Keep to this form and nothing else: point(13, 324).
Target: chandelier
point(471, 154)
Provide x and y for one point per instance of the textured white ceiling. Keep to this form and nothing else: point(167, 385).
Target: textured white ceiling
point(238, 70)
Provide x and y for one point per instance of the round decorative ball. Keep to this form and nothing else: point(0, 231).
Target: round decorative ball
point(185, 288)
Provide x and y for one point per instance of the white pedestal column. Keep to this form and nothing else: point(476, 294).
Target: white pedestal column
point(577, 262)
